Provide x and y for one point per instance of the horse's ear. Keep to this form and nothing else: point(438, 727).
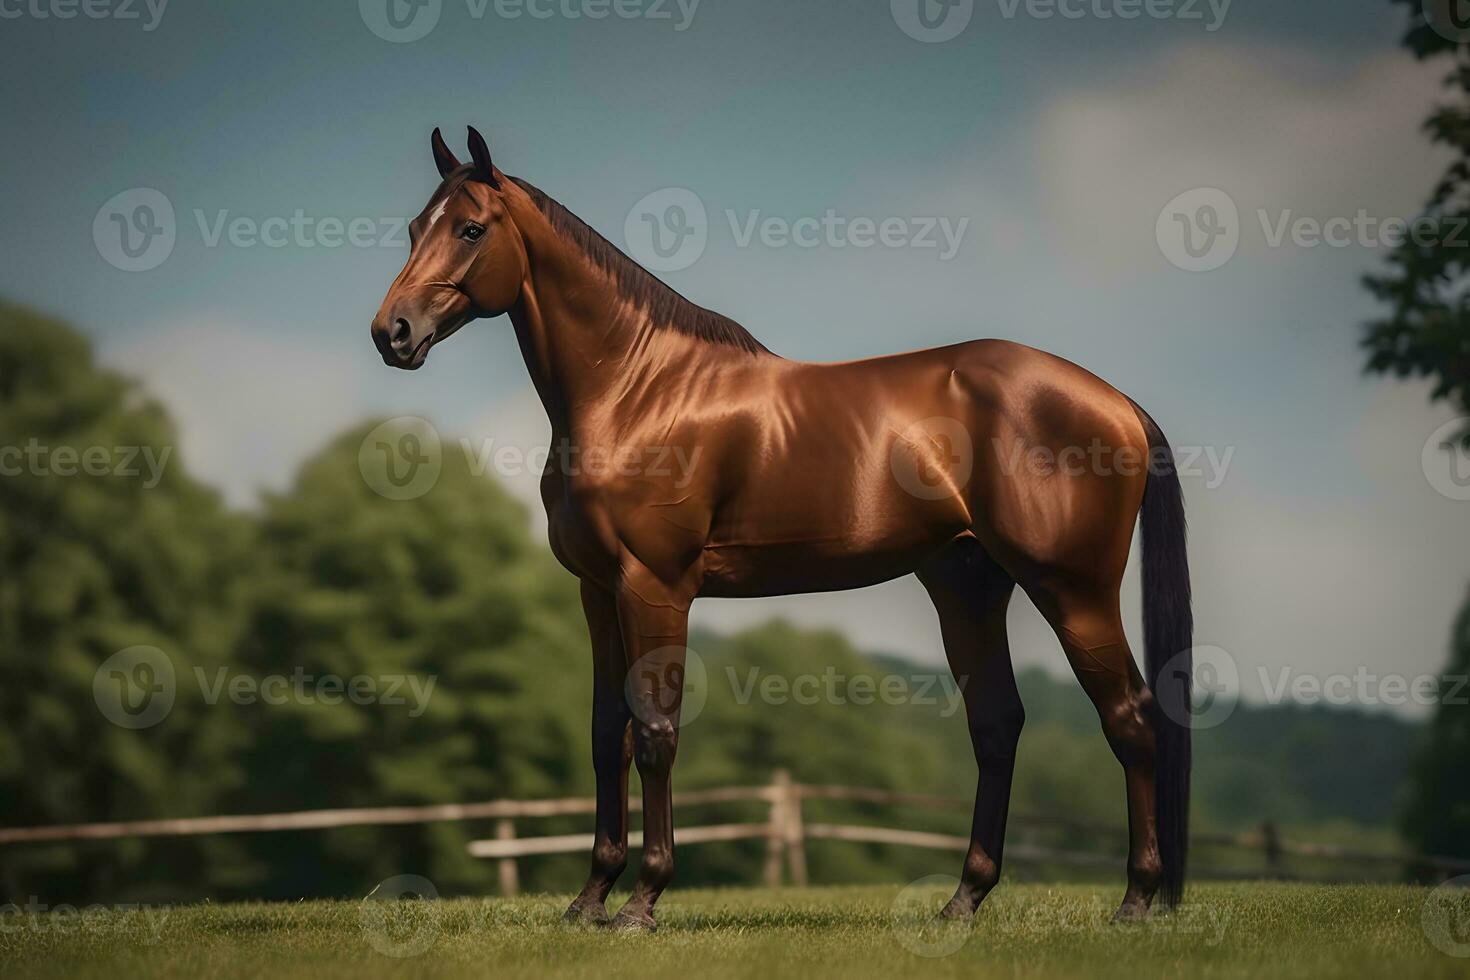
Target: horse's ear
point(480, 153)
point(443, 159)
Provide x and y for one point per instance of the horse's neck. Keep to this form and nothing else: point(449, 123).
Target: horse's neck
point(588, 348)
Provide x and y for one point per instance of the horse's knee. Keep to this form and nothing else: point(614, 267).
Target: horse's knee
point(1128, 725)
point(654, 744)
point(609, 858)
point(995, 733)
point(657, 870)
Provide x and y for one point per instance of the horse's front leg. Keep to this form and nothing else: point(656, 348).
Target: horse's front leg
point(612, 751)
point(655, 628)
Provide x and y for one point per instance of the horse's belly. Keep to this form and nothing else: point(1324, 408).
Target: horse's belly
point(771, 568)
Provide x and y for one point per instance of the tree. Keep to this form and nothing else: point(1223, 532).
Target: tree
point(395, 595)
point(1427, 334)
point(106, 545)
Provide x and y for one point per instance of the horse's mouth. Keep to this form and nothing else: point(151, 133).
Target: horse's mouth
point(420, 353)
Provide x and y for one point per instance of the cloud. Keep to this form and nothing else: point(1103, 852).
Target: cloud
point(1274, 127)
point(250, 406)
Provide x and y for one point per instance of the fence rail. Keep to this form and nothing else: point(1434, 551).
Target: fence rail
point(784, 830)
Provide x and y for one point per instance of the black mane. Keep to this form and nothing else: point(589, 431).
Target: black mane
point(665, 307)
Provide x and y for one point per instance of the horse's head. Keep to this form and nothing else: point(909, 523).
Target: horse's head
point(466, 259)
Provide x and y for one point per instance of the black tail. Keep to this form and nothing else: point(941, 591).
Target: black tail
point(1168, 631)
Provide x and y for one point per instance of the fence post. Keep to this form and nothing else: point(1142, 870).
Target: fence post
point(793, 830)
point(510, 879)
point(1271, 842)
point(776, 839)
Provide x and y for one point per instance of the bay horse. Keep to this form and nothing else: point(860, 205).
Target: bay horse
point(812, 478)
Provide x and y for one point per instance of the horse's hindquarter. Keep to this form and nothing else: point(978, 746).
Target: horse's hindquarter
point(856, 473)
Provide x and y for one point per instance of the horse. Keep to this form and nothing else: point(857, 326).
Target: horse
point(975, 467)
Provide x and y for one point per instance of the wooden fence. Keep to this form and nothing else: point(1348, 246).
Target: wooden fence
point(784, 830)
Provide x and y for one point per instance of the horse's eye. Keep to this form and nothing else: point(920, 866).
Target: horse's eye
point(472, 232)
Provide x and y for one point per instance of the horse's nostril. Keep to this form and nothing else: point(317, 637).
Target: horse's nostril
point(401, 335)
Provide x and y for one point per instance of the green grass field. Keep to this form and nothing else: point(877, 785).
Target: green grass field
point(1236, 930)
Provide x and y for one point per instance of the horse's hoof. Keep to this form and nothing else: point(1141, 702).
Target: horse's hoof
point(626, 921)
point(586, 914)
point(956, 911)
point(1131, 912)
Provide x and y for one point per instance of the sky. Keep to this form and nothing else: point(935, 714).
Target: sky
point(1060, 144)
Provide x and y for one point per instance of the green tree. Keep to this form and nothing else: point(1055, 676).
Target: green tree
point(1426, 333)
point(106, 544)
point(445, 588)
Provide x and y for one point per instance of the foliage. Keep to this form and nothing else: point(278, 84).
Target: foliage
point(1427, 330)
point(1427, 334)
point(102, 550)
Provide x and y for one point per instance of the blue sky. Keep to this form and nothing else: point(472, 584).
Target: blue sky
point(1323, 549)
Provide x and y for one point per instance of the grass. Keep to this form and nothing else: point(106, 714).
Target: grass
point(1247, 930)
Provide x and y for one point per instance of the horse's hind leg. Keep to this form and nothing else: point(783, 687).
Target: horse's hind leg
point(971, 593)
point(1087, 621)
